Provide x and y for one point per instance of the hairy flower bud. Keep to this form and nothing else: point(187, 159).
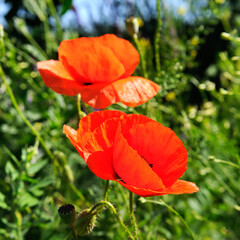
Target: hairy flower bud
point(85, 222)
point(67, 213)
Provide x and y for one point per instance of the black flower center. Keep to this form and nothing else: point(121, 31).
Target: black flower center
point(87, 84)
point(150, 164)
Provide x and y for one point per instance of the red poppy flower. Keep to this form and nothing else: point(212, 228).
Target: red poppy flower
point(137, 152)
point(98, 68)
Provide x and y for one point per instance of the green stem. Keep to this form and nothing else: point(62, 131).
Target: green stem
point(22, 116)
point(132, 215)
point(54, 13)
point(108, 204)
point(74, 235)
point(19, 224)
point(160, 202)
point(79, 105)
point(47, 35)
point(106, 190)
point(157, 38)
point(81, 114)
point(79, 194)
point(142, 62)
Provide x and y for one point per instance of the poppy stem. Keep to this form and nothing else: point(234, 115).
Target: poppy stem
point(142, 62)
point(80, 112)
point(25, 120)
point(132, 215)
point(162, 203)
point(157, 38)
point(109, 205)
point(74, 235)
point(106, 190)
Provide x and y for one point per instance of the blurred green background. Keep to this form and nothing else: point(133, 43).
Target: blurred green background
point(192, 51)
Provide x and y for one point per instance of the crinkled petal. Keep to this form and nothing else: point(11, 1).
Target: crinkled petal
point(179, 187)
point(93, 120)
point(99, 96)
point(128, 121)
point(71, 134)
point(131, 91)
point(123, 50)
point(100, 163)
point(89, 61)
point(131, 168)
point(161, 148)
point(55, 76)
point(102, 137)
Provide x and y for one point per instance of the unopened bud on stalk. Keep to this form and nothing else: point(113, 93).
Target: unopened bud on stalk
point(226, 36)
point(132, 25)
point(67, 213)
point(85, 222)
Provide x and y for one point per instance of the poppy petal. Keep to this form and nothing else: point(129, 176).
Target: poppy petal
point(93, 120)
point(123, 50)
point(99, 95)
point(179, 187)
point(131, 91)
point(131, 120)
point(71, 134)
point(89, 61)
point(100, 163)
point(161, 148)
point(131, 168)
point(102, 137)
point(58, 78)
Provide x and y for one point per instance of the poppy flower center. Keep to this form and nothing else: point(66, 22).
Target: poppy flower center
point(87, 84)
point(150, 164)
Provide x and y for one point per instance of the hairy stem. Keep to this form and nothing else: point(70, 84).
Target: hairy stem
point(142, 62)
point(25, 120)
point(157, 38)
point(101, 204)
point(132, 215)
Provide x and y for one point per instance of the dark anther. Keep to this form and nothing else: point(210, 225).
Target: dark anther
point(87, 84)
point(151, 165)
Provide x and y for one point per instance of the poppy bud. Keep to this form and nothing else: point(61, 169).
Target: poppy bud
point(67, 213)
point(132, 25)
point(85, 222)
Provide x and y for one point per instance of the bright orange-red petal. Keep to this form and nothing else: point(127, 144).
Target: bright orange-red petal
point(100, 163)
point(123, 50)
point(102, 137)
point(72, 136)
point(179, 187)
point(161, 148)
point(89, 61)
point(131, 120)
point(131, 91)
point(93, 120)
point(131, 168)
point(99, 95)
point(58, 78)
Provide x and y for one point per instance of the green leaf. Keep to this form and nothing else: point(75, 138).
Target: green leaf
point(35, 8)
point(26, 199)
point(2, 202)
point(66, 5)
point(10, 170)
point(36, 167)
point(43, 183)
